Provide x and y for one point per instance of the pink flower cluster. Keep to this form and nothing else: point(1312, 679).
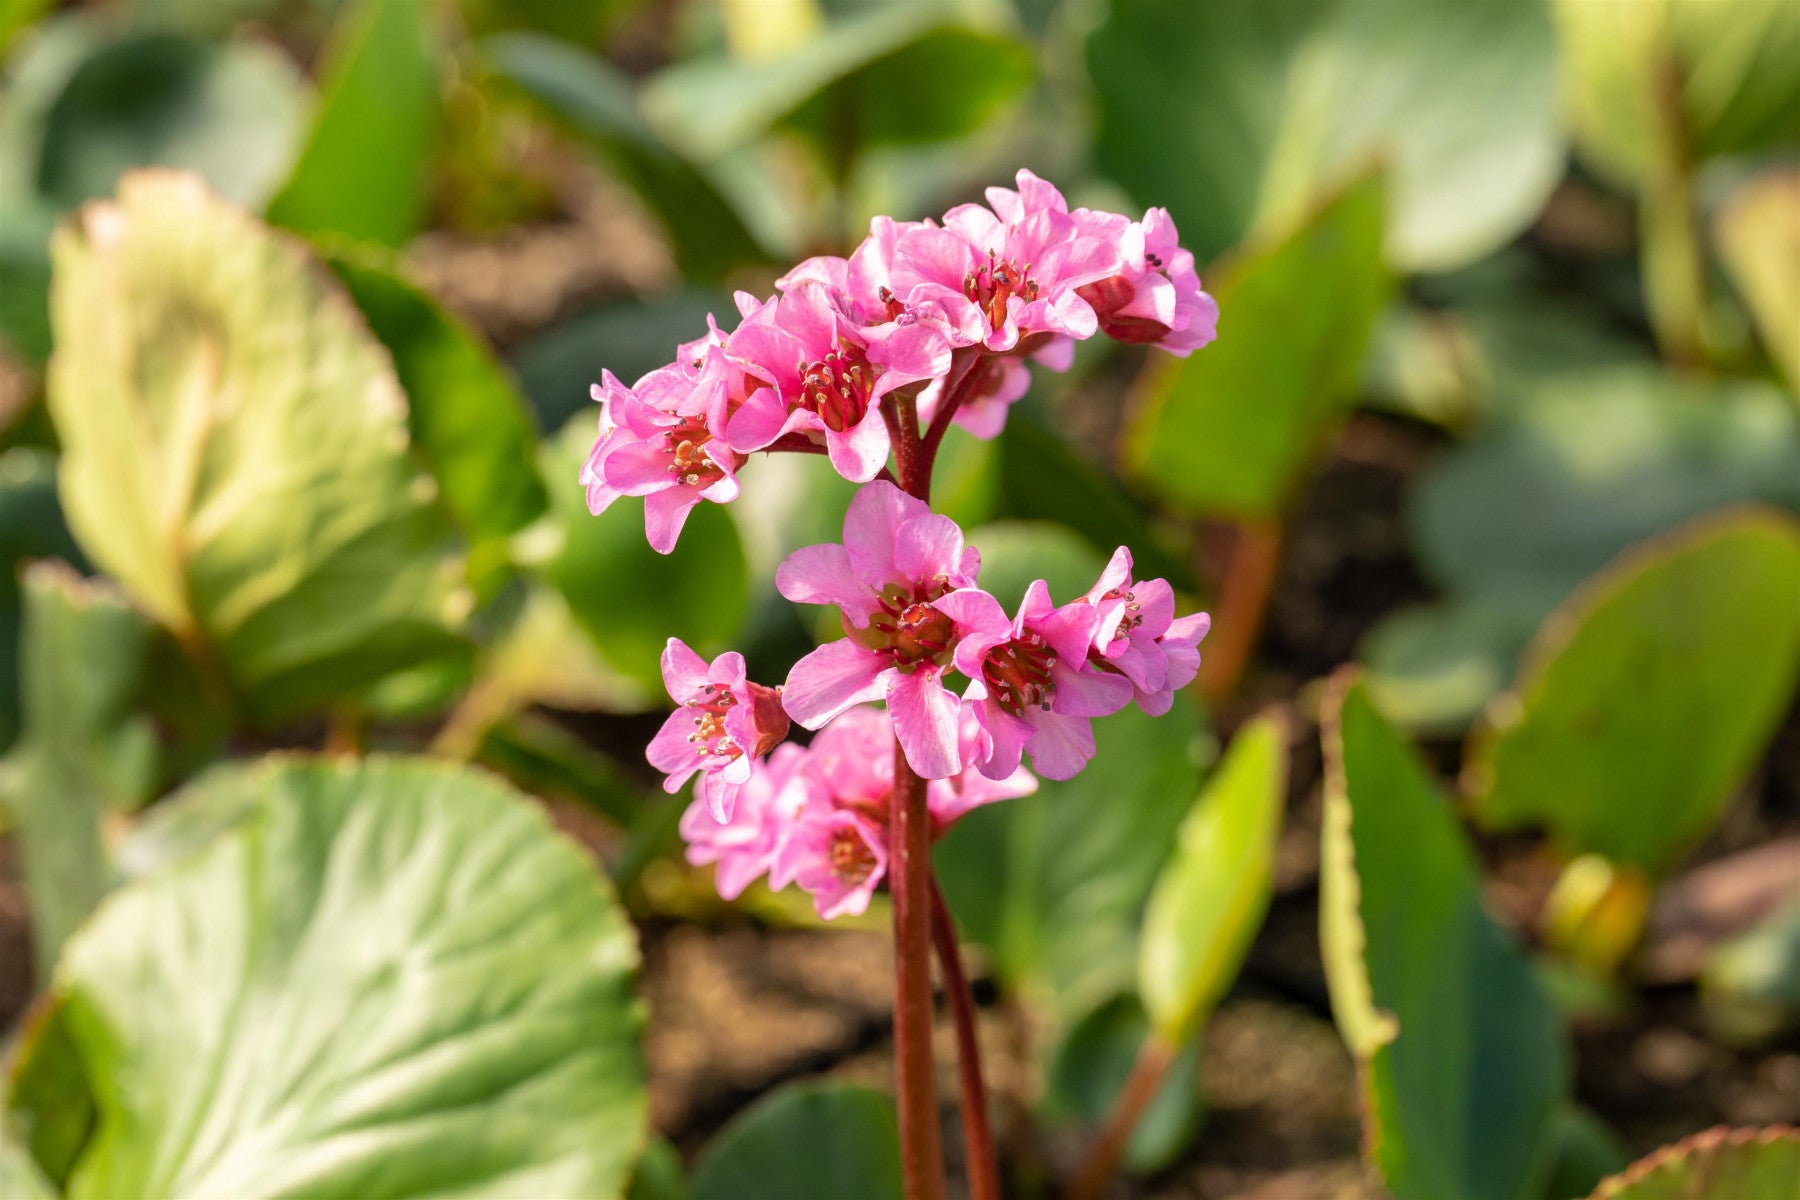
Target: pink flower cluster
point(941, 313)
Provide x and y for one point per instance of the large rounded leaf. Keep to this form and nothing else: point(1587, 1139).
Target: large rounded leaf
point(236, 449)
point(808, 1140)
point(1646, 701)
point(382, 979)
point(229, 111)
point(1719, 1164)
point(1461, 1053)
point(1236, 114)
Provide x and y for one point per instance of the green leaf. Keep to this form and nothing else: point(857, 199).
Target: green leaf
point(229, 111)
point(903, 73)
point(1013, 553)
point(630, 338)
point(1237, 115)
point(1751, 984)
point(1461, 1054)
point(388, 977)
point(630, 599)
point(85, 748)
point(1431, 668)
point(16, 16)
point(1229, 429)
point(1089, 1070)
point(821, 1139)
point(1649, 697)
point(362, 173)
point(1054, 885)
point(20, 1178)
point(465, 415)
point(658, 1175)
point(1586, 1152)
point(1759, 239)
point(1719, 1164)
point(1727, 63)
point(236, 450)
point(1210, 898)
point(1563, 479)
point(31, 526)
point(588, 96)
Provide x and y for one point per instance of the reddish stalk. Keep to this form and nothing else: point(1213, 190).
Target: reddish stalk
point(1153, 1063)
point(978, 1138)
point(1242, 602)
point(956, 390)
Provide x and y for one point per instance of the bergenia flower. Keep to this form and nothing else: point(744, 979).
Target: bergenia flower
point(1001, 279)
point(826, 375)
point(950, 799)
point(724, 726)
point(663, 439)
point(839, 856)
point(1156, 297)
point(747, 843)
point(897, 560)
point(1031, 686)
point(1137, 634)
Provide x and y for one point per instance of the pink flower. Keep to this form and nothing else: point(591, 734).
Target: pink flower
point(748, 842)
point(826, 375)
point(1004, 276)
point(863, 283)
point(950, 799)
point(724, 726)
point(983, 413)
point(662, 439)
point(897, 560)
point(839, 856)
point(1156, 297)
point(1137, 634)
point(1031, 686)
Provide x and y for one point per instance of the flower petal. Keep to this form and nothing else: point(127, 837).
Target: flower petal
point(925, 718)
point(831, 679)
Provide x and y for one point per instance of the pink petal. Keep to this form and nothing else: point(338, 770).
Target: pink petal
point(758, 421)
point(871, 522)
point(1084, 692)
point(822, 575)
point(859, 453)
point(1060, 745)
point(684, 672)
point(924, 713)
point(671, 753)
point(665, 512)
point(928, 546)
point(831, 679)
point(639, 468)
point(1116, 575)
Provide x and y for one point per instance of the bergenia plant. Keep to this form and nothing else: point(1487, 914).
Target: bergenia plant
point(935, 698)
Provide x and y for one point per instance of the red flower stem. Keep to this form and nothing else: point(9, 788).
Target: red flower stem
point(955, 392)
point(978, 1139)
point(909, 886)
point(1154, 1059)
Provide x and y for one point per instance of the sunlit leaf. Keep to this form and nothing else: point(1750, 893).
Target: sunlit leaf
point(1463, 1062)
point(385, 978)
point(1719, 1164)
point(1759, 238)
point(805, 1140)
point(1229, 429)
point(236, 450)
point(1650, 695)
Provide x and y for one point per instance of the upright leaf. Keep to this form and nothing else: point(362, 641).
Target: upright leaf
point(1650, 696)
point(1759, 239)
point(1229, 429)
point(362, 173)
point(236, 449)
point(1461, 1055)
point(31, 526)
point(388, 977)
point(1210, 898)
point(1719, 1164)
point(805, 1140)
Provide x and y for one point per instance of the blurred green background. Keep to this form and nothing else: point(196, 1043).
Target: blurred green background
point(1505, 408)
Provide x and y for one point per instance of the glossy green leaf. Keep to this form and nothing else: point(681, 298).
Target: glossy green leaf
point(1651, 84)
point(463, 410)
point(1234, 115)
point(31, 526)
point(1229, 429)
point(386, 978)
point(1463, 1062)
point(1563, 479)
point(589, 96)
point(1648, 698)
point(1759, 239)
point(1054, 885)
point(236, 450)
point(898, 73)
point(1210, 898)
point(84, 748)
point(630, 599)
point(818, 1139)
point(630, 338)
point(1719, 1164)
point(1089, 1069)
point(362, 173)
point(229, 111)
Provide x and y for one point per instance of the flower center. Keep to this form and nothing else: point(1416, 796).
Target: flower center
point(1019, 675)
point(991, 286)
point(688, 462)
point(851, 858)
point(1134, 615)
point(837, 388)
point(709, 736)
point(910, 627)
